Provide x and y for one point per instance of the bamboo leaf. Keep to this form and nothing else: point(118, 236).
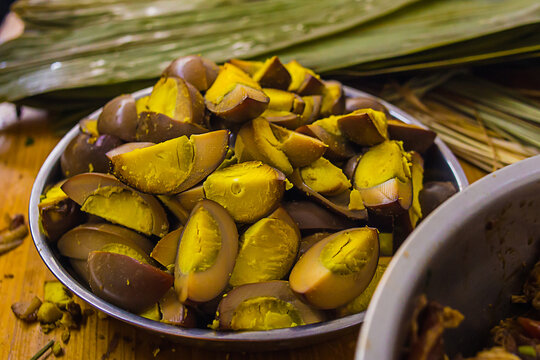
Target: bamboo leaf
point(422, 26)
point(71, 45)
point(509, 44)
point(130, 42)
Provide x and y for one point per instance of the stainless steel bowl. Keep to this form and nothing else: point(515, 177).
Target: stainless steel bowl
point(471, 254)
point(440, 164)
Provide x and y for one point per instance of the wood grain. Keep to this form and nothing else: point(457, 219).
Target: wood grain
point(23, 148)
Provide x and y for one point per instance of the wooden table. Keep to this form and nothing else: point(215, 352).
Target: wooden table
point(23, 148)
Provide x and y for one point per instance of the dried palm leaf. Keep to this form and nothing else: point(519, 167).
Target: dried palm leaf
point(491, 128)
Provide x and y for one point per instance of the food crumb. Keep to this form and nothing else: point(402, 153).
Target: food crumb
point(47, 328)
point(127, 338)
point(88, 312)
point(13, 235)
point(113, 344)
point(156, 351)
point(57, 349)
point(49, 313)
point(27, 310)
point(29, 141)
point(66, 336)
point(101, 315)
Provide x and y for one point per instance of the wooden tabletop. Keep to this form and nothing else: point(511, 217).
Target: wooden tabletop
point(24, 145)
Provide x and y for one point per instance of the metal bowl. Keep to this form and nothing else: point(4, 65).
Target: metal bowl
point(471, 254)
point(440, 164)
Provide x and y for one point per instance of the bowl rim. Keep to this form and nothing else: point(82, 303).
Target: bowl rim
point(264, 340)
point(395, 289)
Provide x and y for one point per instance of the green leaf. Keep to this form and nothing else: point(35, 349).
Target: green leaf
point(115, 42)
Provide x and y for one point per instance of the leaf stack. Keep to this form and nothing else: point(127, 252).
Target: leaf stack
point(89, 51)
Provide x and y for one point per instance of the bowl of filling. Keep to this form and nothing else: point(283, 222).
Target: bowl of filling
point(465, 285)
point(251, 205)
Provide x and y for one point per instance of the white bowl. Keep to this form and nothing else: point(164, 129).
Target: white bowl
point(471, 254)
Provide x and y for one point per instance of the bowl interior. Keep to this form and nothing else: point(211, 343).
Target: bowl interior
point(440, 164)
